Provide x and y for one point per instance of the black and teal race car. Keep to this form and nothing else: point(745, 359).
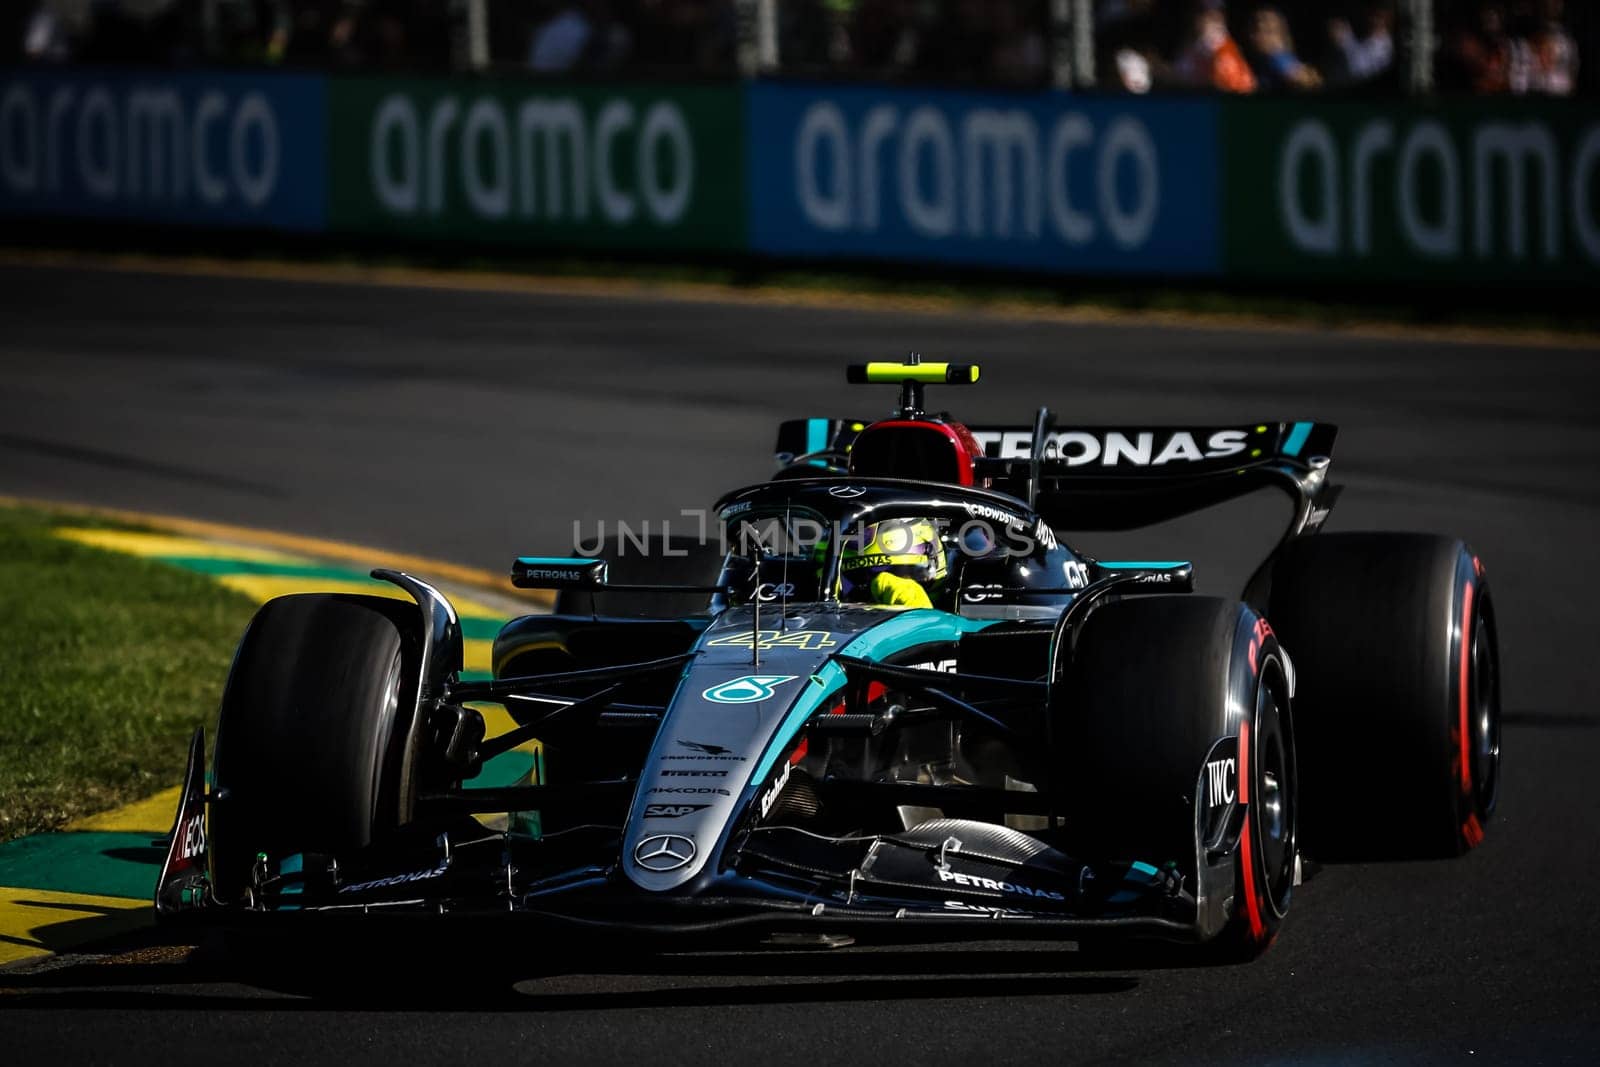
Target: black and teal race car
point(1055, 746)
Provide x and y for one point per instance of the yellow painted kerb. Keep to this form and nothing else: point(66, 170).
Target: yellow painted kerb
point(153, 815)
point(138, 543)
point(311, 546)
point(37, 921)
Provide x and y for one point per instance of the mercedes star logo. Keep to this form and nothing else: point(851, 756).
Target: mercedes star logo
point(846, 492)
point(663, 852)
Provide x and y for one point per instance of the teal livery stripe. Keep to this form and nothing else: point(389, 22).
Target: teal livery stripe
point(1297, 438)
point(908, 629)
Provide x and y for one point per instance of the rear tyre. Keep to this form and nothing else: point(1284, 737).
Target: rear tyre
point(316, 740)
point(1154, 684)
point(1392, 639)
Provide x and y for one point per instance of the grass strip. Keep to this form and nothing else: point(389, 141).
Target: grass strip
point(109, 662)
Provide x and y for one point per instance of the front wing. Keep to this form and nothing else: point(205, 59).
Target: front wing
point(953, 879)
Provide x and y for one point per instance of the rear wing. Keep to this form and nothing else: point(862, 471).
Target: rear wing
point(1092, 477)
point(1184, 450)
point(1116, 478)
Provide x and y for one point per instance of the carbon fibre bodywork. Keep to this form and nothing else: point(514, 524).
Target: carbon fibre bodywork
point(723, 743)
point(787, 760)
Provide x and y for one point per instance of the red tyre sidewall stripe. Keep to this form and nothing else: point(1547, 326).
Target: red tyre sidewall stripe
point(1244, 762)
point(1252, 902)
point(1463, 674)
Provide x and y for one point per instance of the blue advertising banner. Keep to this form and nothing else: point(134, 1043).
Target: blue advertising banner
point(211, 149)
point(1040, 181)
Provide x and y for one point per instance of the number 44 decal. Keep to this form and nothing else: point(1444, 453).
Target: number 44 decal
point(806, 640)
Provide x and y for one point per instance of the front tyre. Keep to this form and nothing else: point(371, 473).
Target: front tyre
point(317, 743)
point(1266, 783)
point(1158, 688)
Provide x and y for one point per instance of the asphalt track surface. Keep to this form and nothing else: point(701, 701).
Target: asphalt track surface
point(474, 426)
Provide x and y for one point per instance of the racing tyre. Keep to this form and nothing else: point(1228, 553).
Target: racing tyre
point(316, 740)
point(1397, 694)
point(1154, 685)
point(692, 563)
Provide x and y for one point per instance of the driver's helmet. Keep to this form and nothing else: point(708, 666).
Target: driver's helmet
point(906, 548)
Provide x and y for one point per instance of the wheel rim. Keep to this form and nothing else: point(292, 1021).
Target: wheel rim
point(1483, 723)
point(1273, 793)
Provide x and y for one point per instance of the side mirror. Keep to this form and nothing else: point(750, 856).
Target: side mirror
point(558, 572)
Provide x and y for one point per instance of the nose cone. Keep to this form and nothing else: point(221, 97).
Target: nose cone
point(724, 733)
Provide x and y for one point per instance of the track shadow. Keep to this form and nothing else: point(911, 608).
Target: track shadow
point(155, 977)
point(122, 462)
point(149, 855)
point(88, 924)
point(524, 998)
point(1550, 720)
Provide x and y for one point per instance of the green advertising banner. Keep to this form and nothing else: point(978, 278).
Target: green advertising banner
point(1468, 191)
point(608, 167)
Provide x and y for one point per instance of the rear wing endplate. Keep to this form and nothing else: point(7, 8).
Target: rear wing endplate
point(822, 444)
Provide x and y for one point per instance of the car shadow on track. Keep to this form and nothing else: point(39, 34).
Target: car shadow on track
point(1550, 720)
point(185, 978)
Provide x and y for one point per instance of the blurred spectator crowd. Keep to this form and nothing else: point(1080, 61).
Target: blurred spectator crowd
point(995, 42)
point(1139, 46)
point(598, 37)
point(1296, 46)
point(312, 33)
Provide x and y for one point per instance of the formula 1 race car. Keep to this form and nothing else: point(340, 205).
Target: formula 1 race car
point(1030, 743)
